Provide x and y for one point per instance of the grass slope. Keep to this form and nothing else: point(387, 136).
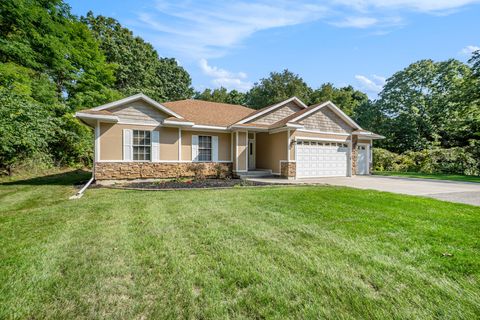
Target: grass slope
point(436, 176)
point(296, 252)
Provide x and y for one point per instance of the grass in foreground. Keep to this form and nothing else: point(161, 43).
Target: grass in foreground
point(296, 252)
point(437, 176)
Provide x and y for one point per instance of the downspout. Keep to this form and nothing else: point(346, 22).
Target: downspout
point(79, 194)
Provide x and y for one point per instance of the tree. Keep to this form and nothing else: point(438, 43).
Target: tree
point(46, 37)
point(25, 129)
point(138, 66)
point(277, 87)
point(221, 95)
point(423, 104)
point(346, 98)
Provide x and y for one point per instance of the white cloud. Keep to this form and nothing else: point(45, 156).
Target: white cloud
point(224, 78)
point(372, 85)
point(429, 6)
point(356, 22)
point(210, 29)
point(468, 50)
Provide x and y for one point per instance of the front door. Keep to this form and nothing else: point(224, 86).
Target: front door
point(251, 154)
point(362, 159)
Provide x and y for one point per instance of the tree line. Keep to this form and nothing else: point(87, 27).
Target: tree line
point(53, 63)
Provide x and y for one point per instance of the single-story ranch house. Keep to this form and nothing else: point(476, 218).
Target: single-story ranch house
point(138, 137)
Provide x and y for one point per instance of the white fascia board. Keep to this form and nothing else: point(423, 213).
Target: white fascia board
point(179, 123)
point(319, 139)
point(137, 97)
point(303, 105)
point(294, 126)
point(324, 132)
point(234, 127)
point(102, 117)
point(200, 126)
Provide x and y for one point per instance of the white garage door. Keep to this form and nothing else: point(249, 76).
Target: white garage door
point(321, 159)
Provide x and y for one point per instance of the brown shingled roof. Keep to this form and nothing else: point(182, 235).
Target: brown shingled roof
point(209, 113)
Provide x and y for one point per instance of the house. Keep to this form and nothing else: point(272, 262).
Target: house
point(138, 137)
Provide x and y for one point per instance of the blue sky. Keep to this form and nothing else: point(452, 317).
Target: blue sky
point(358, 42)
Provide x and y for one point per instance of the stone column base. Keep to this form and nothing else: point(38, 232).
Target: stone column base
point(288, 169)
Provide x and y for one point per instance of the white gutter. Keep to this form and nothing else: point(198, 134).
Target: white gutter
point(79, 194)
point(96, 116)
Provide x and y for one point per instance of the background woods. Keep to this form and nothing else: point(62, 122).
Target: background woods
point(53, 63)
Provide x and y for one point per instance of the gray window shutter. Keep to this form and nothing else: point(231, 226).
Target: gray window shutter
point(214, 148)
point(194, 148)
point(127, 144)
point(155, 146)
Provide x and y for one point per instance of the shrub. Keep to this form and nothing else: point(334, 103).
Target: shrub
point(438, 160)
point(220, 171)
point(198, 170)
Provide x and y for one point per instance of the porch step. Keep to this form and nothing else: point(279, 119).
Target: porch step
point(255, 174)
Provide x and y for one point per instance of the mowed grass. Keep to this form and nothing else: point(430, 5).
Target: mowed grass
point(281, 252)
point(436, 176)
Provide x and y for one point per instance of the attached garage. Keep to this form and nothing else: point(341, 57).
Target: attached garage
point(321, 159)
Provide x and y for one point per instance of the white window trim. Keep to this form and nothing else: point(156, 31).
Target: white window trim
point(211, 152)
point(150, 147)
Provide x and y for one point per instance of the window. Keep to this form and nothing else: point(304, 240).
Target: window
point(141, 145)
point(204, 148)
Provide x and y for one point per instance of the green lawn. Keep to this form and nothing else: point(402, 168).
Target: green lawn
point(437, 176)
point(283, 252)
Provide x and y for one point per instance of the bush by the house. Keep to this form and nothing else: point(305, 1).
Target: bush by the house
point(437, 160)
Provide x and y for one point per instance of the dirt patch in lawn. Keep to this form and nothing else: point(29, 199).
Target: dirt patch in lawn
point(189, 184)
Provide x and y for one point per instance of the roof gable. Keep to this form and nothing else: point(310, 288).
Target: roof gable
point(257, 114)
point(137, 97)
point(302, 114)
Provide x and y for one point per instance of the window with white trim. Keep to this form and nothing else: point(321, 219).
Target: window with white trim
point(204, 148)
point(142, 145)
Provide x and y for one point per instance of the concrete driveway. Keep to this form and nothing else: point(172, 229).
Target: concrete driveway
point(461, 192)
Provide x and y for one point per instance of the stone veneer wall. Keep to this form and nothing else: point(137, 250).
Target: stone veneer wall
point(354, 154)
point(154, 170)
point(288, 169)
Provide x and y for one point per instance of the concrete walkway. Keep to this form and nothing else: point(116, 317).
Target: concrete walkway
point(461, 192)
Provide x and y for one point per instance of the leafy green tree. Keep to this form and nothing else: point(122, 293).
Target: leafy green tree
point(346, 98)
point(138, 66)
point(423, 104)
point(221, 95)
point(25, 129)
point(277, 87)
point(28, 82)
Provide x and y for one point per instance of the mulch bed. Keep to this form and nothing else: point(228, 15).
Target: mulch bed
point(190, 184)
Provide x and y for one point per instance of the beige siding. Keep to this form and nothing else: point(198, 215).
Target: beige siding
point(242, 151)
point(296, 134)
point(223, 144)
point(139, 112)
point(271, 148)
point(278, 114)
point(111, 139)
point(326, 120)
point(168, 144)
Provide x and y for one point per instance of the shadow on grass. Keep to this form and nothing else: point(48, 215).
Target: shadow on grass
point(64, 178)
